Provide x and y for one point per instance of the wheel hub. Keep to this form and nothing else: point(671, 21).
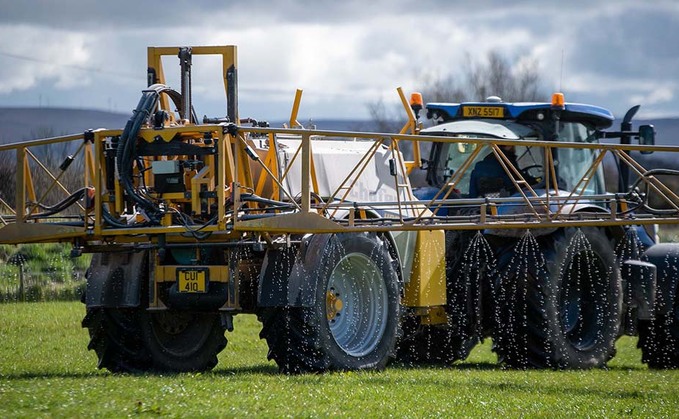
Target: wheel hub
point(356, 302)
point(173, 323)
point(333, 304)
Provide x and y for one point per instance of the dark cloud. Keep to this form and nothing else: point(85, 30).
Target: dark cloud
point(89, 53)
point(131, 14)
point(636, 43)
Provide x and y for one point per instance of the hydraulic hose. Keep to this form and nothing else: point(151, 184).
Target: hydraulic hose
point(59, 206)
point(644, 204)
point(125, 153)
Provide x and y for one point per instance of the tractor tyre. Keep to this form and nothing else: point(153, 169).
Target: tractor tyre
point(560, 305)
point(659, 337)
point(659, 341)
point(453, 341)
point(182, 341)
point(116, 338)
point(432, 344)
point(137, 340)
point(354, 322)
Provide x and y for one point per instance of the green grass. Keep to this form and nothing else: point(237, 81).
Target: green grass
point(46, 370)
point(49, 273)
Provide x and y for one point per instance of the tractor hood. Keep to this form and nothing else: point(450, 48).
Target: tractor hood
point(480, 128)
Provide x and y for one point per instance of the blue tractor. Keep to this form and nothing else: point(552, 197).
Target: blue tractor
point(551, 297)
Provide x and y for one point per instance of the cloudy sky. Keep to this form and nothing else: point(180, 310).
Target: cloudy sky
point(344, 54)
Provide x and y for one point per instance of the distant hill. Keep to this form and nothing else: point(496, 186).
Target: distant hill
point(667, 130)
point(18, 124)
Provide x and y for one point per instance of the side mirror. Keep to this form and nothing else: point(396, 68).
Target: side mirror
point(646, 136)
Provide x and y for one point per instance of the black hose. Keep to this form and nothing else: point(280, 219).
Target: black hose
point(188, 222)
point(644, 203)
point(110, 220)
point(59, 206)
point(259, 199)
point(654, 172)
point(125, 153)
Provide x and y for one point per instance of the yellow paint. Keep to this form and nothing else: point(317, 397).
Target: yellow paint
point(333, 305)
point(413, 127)
point(427, 285)
point(295, 110)
point(203, 177)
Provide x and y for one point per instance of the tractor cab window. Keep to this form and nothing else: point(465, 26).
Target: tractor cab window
point(489, 177)
point(486, 176)
point(572, 164)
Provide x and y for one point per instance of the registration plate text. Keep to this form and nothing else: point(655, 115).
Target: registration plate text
point(192, 280)
point(483, 112)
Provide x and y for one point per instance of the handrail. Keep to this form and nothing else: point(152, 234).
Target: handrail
point(297, 208)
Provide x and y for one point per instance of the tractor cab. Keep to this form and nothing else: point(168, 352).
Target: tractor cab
point(496, 121)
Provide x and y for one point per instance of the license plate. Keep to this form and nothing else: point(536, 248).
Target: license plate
point(192, 280)
point(483, 112)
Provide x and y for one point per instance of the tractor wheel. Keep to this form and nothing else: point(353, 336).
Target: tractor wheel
point(659, 338)
point(453, 341)
point(182, 341)
point(354, 322)
point(659, 341)
point(432, 344)
point(116, 338)
point(559, 302)
point(137, 340)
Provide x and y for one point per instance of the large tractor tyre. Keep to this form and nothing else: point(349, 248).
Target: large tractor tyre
point(182, 341)
point(432, 344)
point(559, 302)
point(116, 338)
point(659, 338)
point(137, 340)
point(659, 341)
point(354, 322)
point(453, 341)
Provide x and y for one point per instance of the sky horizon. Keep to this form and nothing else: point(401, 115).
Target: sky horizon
point(344, 55)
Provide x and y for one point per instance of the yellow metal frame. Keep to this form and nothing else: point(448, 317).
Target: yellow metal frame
point(229, 54)
point(234, 175)
point(412, 126)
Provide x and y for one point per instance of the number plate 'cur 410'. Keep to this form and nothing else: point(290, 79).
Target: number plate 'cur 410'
point(192, 280)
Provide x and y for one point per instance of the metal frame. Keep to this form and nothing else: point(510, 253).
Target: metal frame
point(233, 176)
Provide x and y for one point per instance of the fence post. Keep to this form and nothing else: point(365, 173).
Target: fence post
point(22, 290)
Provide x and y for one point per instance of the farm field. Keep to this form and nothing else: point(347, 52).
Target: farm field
point(46, 370)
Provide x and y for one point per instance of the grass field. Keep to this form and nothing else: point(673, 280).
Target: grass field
point(46, 370)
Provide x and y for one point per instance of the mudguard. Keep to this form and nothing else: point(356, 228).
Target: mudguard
point(641, 282)
point(115, 279)
point(665, 256)
point(273, 277)
point(288, 276)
